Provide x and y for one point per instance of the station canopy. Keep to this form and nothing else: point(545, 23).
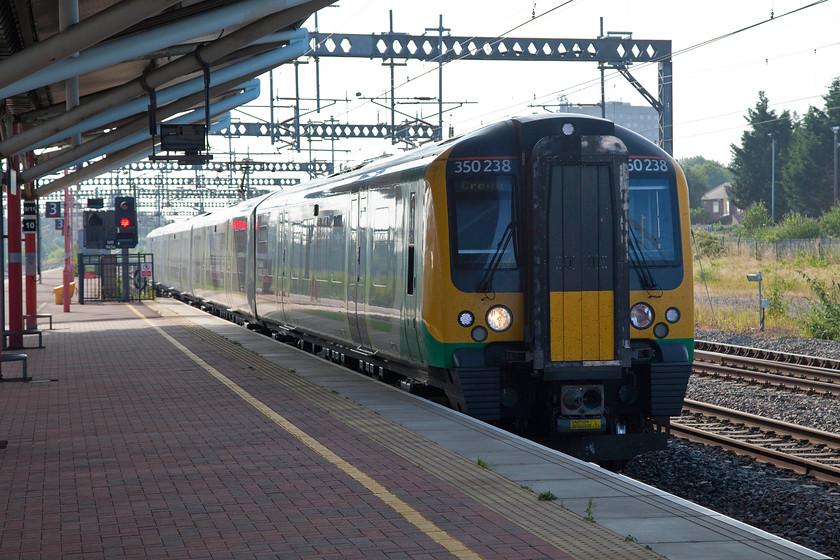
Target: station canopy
point(78, 77)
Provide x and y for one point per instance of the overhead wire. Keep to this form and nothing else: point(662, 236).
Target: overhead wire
point(466, 53)
point(586, 84)
point(595, 81)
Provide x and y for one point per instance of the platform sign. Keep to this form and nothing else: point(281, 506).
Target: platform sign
point(53, 210)
point(146, 270)
point(59, 224)
point(30, 217)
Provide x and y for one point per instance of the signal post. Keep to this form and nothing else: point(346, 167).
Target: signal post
point(125, 219)
point(67, 230)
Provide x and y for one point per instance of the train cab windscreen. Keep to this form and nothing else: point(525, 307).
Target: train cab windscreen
point(482, 220)
point(654, 237)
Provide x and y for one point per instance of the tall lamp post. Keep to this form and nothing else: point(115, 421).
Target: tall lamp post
point(773, 179)
point(834, 129)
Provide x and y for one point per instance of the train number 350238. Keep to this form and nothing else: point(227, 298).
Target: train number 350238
point(649, 165)
point(482, 165)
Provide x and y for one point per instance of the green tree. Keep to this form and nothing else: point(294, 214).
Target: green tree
point(751, 161)
point(808, 173)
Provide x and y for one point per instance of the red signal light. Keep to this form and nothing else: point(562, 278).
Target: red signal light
point(125, 222)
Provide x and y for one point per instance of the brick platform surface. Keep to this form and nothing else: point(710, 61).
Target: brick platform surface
point(121, 445)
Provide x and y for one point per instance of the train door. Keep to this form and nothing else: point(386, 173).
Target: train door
point(412, 344)
point(282, 262)
point(580, 272)
point(357, 279)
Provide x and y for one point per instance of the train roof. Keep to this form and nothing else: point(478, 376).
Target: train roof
point(537, 124)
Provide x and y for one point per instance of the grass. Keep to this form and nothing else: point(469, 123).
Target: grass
point(589, 509)
point(734, 300)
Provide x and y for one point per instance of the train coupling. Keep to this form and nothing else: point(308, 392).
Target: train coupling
point(581, 409)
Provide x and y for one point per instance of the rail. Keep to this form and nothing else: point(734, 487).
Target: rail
point(803, 450)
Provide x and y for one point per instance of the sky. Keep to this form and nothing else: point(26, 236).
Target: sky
point(792, 57)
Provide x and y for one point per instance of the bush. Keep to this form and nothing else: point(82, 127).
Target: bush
point(699, 215)
point(776, 287)
point(793, 226)
point(830, 222)
point(708, 245)
point(822, 320)
point(755, 219)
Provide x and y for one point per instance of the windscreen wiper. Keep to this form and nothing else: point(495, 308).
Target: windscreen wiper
point(640, 264)
point(485, 286)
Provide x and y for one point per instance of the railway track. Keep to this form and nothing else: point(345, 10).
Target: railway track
point(763, 354)
point(803, 450)
point(786, 371)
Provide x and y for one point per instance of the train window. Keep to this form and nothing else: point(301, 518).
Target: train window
point(653, 221)
point(482, 214)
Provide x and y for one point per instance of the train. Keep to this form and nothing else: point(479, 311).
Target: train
point(535, 273)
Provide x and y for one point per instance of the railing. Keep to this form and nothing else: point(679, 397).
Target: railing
point(827, 248)
point(115, 277)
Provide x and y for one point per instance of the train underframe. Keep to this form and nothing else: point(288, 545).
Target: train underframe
point(596, 413)
point(604, 414)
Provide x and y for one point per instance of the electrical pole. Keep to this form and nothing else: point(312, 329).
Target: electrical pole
point(834, 129)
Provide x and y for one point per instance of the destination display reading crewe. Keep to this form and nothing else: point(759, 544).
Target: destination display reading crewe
point(481, 185)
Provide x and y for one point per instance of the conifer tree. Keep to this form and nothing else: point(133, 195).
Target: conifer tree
point(751, 161)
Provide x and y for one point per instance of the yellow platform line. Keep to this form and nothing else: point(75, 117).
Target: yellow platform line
point(450, 543)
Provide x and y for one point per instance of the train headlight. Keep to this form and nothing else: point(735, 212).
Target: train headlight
point(660, 330)
point(641, 316)
point(466, 319)
point(479, 334)
point(499, 318)
point(672, 315)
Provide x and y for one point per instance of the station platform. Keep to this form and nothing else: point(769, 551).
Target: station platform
point(154, 430)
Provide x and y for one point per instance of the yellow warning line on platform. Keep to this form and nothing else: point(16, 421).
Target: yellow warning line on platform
point(450, 543)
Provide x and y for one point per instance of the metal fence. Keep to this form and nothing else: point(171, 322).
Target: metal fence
point(826, 249)
point(116, 277)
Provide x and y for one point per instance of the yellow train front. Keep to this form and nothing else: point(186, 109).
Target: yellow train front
point(557, 282)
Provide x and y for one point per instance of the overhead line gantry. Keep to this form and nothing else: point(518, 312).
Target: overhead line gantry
point(610, 52)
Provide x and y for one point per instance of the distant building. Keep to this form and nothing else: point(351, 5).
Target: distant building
point(717, 205)
point(642, 120)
